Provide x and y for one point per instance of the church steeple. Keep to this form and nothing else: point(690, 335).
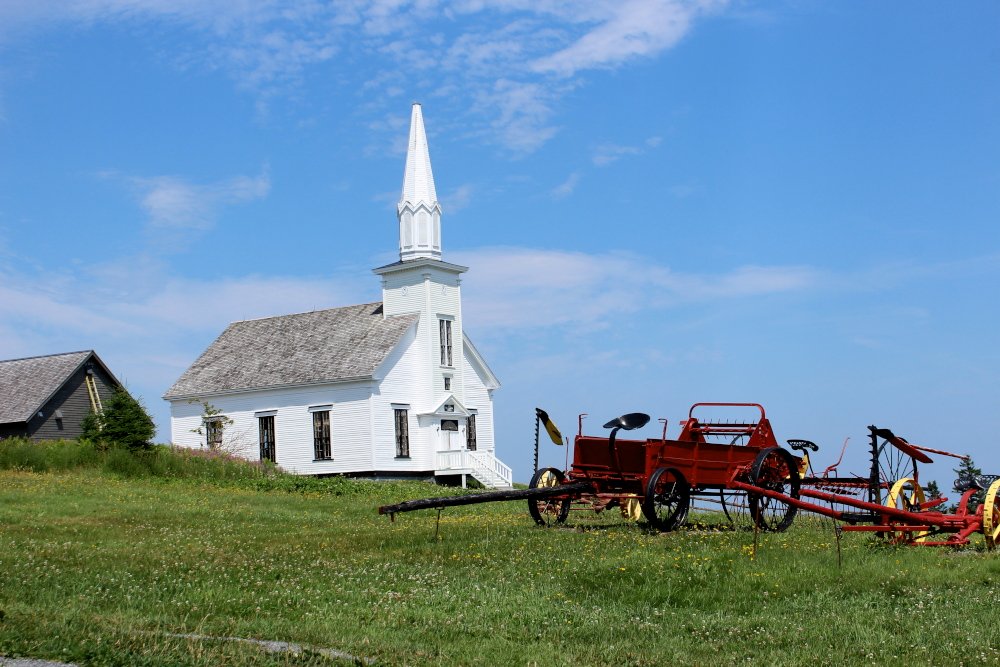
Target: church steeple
point(418, 210)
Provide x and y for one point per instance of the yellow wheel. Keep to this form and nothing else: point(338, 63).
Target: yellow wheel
point(907, 495)
point(991, 516)
point(631, 509)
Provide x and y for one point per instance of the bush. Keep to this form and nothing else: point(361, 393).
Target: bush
point(124, 423)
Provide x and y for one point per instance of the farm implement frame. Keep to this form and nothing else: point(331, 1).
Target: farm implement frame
point(739, 466)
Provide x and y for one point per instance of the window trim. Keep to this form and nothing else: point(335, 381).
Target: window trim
point(401, 418)
point(445, 341)
point(471, 440)
point(322, 451)
point(273, 458)
point(213, 425)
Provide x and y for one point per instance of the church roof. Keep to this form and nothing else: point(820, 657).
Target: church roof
point(319, 347)
point(28, 384)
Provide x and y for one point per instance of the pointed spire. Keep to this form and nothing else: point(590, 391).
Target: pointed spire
point(418, 211)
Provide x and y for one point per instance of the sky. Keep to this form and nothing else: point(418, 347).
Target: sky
point(661, 202)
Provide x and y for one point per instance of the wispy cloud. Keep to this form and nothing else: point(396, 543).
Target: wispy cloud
point(174, 203)
point(513, 59)
point(629, 29)
point(608, 153)
point(457, 199)
point(565, 189)
point(177, 210)
point(515, 286)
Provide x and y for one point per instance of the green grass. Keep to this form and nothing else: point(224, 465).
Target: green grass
point(101, 567)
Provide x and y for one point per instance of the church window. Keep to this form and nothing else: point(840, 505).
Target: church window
point(470, 434)
point(213, 433)
point(444, 334)
point(402, 433)
point(267, 445)
point(447, 383)
point(321, 435)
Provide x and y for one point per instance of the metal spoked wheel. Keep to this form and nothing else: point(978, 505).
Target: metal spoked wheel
point(548, 511)
point(667, 499)
point(773, 469)
point(893, 465)
point(991, 516)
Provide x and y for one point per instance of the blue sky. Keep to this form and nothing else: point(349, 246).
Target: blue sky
point(661, 202)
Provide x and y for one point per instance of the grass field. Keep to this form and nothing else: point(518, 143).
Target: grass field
point(105, 568)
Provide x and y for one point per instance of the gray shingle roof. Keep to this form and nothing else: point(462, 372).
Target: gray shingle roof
point(307, 348)
point(26, 384)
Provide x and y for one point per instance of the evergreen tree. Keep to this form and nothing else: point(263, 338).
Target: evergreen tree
point(932, 491)
point(966, 471)
point(124, 423)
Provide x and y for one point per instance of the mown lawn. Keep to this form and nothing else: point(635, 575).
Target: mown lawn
point(97, 569)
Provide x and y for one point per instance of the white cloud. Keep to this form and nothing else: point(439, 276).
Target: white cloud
point(633, 28)
point(175, 207)
point(566, 188)
point(457, 199)
point(605, 154)
point(513, 60)
point(517, 288)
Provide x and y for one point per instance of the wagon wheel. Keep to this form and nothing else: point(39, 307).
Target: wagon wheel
point(906, 495)
point(893, 465)
point(773, 469)
point(991, 516)
point(667, 499)
point(734, 506)
point(631, 508)
point(547, 511)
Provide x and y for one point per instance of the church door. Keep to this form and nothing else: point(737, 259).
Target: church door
point(449, 435)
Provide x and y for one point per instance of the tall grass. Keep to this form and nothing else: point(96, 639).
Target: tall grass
point(167, 463)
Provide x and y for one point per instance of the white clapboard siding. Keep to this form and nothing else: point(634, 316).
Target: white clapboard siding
point(403, 384)
point(350, 425)
point(478, 396)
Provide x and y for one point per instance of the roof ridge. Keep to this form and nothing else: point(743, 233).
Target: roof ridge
point(47, 356)
point(306, 312)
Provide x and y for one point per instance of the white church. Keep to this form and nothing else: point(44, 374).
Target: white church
point(387, 389)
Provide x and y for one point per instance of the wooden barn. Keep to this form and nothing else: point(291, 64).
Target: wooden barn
point(46, 398)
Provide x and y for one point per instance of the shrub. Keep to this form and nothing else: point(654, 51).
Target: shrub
point(124, 422)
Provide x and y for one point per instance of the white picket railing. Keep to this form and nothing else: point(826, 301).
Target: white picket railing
point(484, 466)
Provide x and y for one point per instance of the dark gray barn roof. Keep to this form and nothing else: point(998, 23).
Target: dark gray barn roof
point(307, 348)
point(27, 384)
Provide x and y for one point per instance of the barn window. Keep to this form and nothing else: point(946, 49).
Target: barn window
point(470, 434)
point(321, 434)
point(402, 433)
point(267, 444)
point(444, 333)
